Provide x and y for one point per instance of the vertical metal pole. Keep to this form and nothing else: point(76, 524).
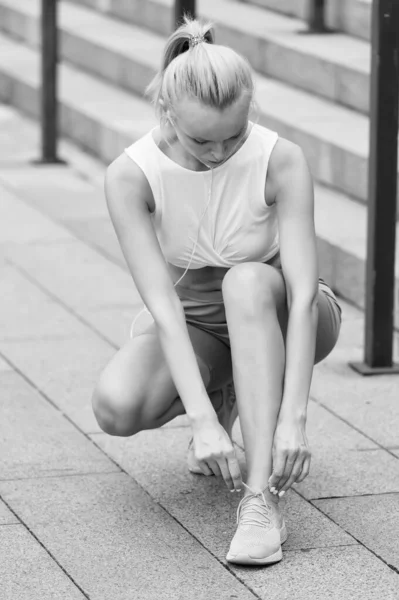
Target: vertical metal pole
point(49, 58)
point(380, 274)
point(316, 16)
point(181, 7)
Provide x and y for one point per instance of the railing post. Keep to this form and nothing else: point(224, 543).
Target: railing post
point(48, 104)
point(316, 16)
point(181, 7)
point(380, 272)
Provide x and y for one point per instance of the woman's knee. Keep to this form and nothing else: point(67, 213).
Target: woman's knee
point(115, 413)
point(253, 286)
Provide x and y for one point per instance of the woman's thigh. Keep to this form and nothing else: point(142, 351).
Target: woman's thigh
point(329, 324)
point(136, 387)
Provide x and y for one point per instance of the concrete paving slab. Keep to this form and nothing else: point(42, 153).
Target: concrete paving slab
point(373, 520)
point(31, 313)
point(86, 280)
point(156, 459)
point(6, 516)
point(66, 371)
point(37, 441)
point(115, 542)
point(368, 403)
point(24, 224)
point(57, 191)
point(344, 462)
point(27, 572)
point(344, 573)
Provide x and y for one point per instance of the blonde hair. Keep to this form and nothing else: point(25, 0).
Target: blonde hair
point(195, 67)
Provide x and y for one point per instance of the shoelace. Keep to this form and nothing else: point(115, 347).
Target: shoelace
point(264, 511)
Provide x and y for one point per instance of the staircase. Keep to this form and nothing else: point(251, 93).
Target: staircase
point(312, 89)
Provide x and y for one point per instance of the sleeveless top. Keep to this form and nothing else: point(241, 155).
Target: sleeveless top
point(225, 206)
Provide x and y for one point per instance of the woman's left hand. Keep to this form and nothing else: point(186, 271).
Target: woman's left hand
point(291, 456)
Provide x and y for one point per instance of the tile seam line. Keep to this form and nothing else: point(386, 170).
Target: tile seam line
point(60, 302)
point(159, 503)
point(327, 408)
point(61, 476)
point(46, 549)
point(122, 470)
point(392, 567)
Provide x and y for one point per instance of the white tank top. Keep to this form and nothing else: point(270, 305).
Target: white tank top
point(221, 214)
point(238, 227)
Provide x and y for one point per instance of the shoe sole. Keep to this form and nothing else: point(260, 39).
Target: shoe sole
point(245, 559)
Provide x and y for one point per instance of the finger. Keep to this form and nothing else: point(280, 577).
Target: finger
point(305, 470)
point(289, 465)
point(278, 470)
point(296, 471)
point(213, 465)
point(224, 469)
point(235, 472)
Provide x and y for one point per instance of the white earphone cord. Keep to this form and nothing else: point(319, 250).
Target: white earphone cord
point(145, 309)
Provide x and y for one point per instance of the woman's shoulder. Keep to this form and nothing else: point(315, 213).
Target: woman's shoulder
point(285, 158)
point(124, 174)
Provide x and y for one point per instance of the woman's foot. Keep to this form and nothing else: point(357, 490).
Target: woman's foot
point(261, 530)
point(227, 414)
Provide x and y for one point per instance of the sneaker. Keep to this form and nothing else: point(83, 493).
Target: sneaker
point(227, 414)
point(261, 531)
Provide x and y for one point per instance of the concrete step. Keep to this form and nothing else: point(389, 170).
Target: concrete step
point(274, 44)
point(334, 139)
point(351, 16)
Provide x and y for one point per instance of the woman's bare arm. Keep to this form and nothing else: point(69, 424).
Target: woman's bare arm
point(127, 192)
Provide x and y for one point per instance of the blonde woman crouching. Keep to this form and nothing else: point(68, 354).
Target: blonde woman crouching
point(226, 205)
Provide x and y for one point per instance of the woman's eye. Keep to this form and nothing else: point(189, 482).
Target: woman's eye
point(198, 142)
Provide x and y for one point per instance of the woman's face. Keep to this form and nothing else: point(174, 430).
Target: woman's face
point(208, 134)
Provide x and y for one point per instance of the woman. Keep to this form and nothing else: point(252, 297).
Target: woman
point(212, 197)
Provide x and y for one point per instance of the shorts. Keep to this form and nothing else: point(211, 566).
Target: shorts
point(207, 327)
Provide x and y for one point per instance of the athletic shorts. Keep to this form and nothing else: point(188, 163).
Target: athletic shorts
point(207, 327)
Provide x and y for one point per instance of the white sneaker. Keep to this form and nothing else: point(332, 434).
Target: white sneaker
point(261, 531)
point(227, 414)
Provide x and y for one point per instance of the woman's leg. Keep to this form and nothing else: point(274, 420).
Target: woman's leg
point(135, 391)
point(257, 315)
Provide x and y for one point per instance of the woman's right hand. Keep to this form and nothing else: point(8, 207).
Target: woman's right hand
point(214, 452)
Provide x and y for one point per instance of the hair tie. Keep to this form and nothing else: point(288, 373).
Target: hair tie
point(196, 39)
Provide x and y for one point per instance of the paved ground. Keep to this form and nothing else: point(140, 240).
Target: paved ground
point(87, 515)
